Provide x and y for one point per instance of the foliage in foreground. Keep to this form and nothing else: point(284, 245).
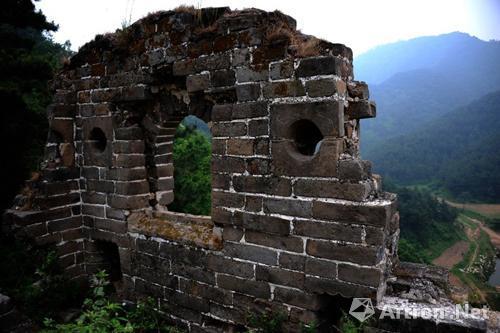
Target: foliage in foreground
point(101, 315)
point(349, 325)
point(267, 322)
point(40, 291)
point(31, 276)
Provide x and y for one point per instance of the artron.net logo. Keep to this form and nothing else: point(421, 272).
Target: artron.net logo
point(361, 309)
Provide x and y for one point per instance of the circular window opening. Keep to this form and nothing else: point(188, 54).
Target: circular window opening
point(98, 139)
point(306, 136)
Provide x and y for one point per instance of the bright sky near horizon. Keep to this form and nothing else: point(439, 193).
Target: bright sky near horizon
point(360, 24)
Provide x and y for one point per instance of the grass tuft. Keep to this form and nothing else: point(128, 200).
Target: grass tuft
point(302, 45)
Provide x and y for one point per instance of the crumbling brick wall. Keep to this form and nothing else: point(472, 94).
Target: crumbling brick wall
point(296, 214)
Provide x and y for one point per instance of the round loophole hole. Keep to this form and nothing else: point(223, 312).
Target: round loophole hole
point(98, 139)
point(306, 136)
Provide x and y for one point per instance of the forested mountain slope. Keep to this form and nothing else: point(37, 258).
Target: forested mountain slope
point(459, 150)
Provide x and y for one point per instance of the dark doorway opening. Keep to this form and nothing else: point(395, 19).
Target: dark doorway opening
point(110, 259)
point(333, 314)
point(98, 139)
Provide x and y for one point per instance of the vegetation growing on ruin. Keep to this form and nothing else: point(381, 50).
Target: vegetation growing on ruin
point(100, 314)
point(267, 322)
point(350, 325)
point(302, 45)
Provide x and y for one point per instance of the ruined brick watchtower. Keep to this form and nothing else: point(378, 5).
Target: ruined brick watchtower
point(297, 217)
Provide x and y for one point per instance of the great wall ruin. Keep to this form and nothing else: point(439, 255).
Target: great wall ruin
point(299, 224)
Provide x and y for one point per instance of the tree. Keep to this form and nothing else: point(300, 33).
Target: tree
point(427, 224)
point(192, 156)
point(28, 58)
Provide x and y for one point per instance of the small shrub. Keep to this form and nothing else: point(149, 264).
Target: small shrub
point(185, 9)
point(32, 277)
point(348, 325)
point(302, 45)
point(267, 322)
point(146, 317)
point(100, 315)
point(309, 328)
point(196, 12)
point(308, 48)
point(279, 32)
point(122, 38)
point(103, 316)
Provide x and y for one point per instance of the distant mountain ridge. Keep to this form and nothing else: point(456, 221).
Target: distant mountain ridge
point(438, 113)
point(417, 80)
point(382, 62)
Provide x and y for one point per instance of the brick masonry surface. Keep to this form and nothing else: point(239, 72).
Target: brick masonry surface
point(296, 215)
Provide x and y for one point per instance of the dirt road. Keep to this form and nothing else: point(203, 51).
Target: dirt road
point(494, 236)
point(489, 210)
point(461, 290)
point(452, 255)
point(455, 254)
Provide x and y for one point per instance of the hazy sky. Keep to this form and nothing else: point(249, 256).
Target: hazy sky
point(360, 24)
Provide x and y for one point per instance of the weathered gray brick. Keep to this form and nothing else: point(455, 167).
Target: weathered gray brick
point(292, 207)
point(318, 66)
point(335, 231)
point(280, 276)
point(297, 298)
point(248, 92)
point(269, 224)
point(255, 288)
point(360, 275)
point(358, 254)
point(251, 252)
point(289, 243)
point(225, 265)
